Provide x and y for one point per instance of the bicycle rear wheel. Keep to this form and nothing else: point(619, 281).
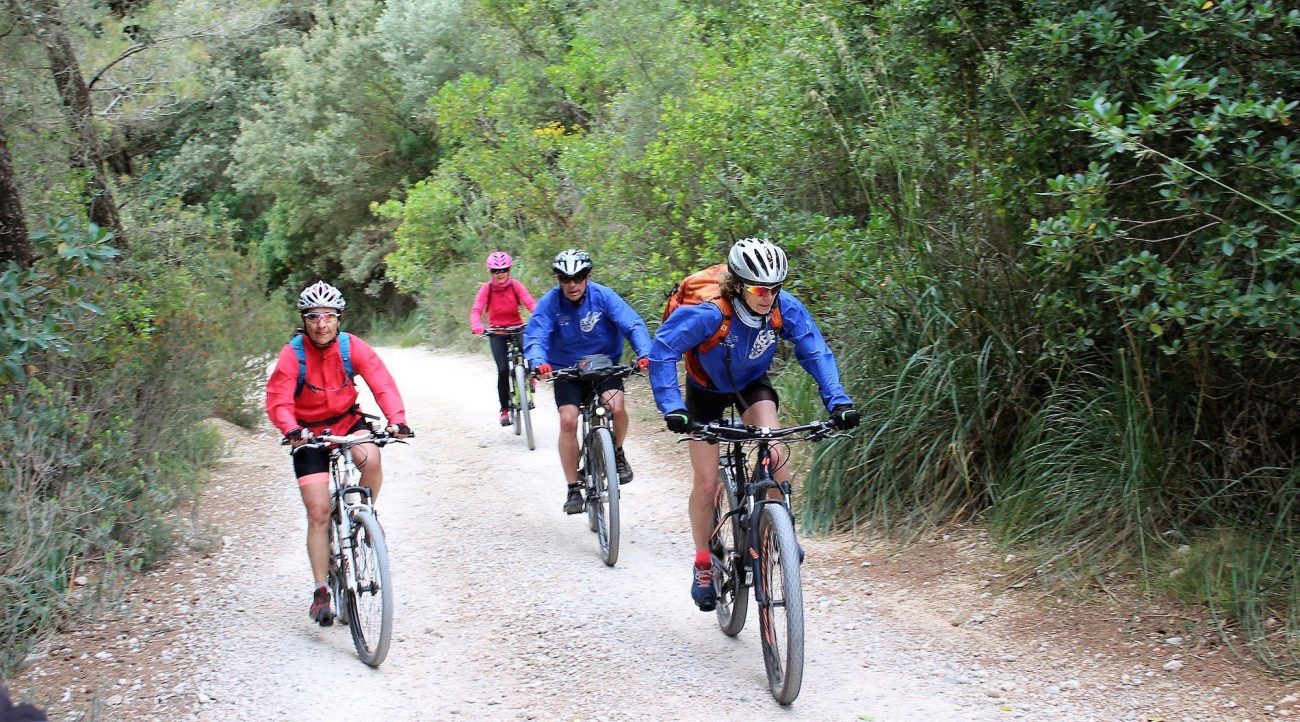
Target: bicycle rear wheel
point(728, 567)
point(371, 603)
point(523, 418)
point(779, 591)
point(602, 492)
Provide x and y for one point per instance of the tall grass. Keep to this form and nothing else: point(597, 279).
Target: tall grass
point(1085, 480)
point(918, 459)
point(1244, 561)
point(1073, 467)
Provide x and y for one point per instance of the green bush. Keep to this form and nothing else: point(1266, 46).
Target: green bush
point(103, 427)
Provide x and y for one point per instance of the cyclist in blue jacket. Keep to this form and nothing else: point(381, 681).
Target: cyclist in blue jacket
point(734, 372)
point(576, 318)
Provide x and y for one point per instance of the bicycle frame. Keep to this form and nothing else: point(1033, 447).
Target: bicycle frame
point(346, 496)
point(762, 548)
point(751, 496)
point(596, 412)
point(598, 473)
point(358, 570)
point(521, 392)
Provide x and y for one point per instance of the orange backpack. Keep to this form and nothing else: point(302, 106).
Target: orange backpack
point(706, 287)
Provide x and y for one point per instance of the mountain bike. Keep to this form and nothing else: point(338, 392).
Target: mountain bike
point(597, 471)
point(521, 388)
point(358, 576)
point(753, 545)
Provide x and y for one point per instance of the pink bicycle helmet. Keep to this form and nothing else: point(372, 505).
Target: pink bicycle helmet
point(498, 260)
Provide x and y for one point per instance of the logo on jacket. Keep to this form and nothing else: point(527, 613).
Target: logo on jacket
point(762, 342)
point(590, 320)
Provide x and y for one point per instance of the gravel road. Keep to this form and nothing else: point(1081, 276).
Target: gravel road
point(505, 611)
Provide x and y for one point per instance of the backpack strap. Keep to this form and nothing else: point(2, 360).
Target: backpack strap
point(695, 369)
point(723, 329)
point(345, 351)
point(296, 344)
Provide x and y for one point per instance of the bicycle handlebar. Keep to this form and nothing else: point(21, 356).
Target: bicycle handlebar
point(571, 373)
point(505, 329)
point(811, 431)
point(382, 438)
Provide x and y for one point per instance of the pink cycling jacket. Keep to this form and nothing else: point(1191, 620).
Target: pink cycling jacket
point(502, 302)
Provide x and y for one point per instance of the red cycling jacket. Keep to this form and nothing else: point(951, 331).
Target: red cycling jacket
point(328, 398)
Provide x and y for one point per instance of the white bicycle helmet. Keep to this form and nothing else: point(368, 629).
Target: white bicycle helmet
point(321, 295)
point(572, 262)
point(758, 261)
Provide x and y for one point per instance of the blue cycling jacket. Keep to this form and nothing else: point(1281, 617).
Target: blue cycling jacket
point(561, 331)
point(750, 351)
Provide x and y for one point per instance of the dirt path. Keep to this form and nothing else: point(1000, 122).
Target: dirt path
point(504, 610)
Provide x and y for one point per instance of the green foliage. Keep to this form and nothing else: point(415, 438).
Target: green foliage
point(337, 134)
point(103, 422)
point(1053, 244)
point(1215, 273)
point(42, 303)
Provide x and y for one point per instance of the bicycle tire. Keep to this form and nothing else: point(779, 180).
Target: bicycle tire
point(521, 386)
point(728, 566)
point(592, 522)
point(516, 393)
point(603, 492)
point(371, 603)
point(779, 592)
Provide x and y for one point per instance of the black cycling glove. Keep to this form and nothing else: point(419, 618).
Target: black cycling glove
point(845, 417)
point(298, 434)
point(679, 421)
point(404, 430)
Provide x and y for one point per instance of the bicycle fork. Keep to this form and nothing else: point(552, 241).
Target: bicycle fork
point(754, 545)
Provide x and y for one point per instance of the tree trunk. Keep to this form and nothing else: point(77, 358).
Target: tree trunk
point(14, 243)
point(45, 18)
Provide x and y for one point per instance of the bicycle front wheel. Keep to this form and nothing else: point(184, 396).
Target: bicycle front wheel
point(602, 491)
point(516, 401)
point(779, 591)
point(523, 418)
point(371, 602)
point(728, 566)
point(337, 576)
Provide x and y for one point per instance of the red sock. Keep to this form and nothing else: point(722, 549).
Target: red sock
point(702, 559)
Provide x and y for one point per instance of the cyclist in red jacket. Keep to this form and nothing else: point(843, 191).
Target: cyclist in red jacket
point(500, 298)
point(325, 397)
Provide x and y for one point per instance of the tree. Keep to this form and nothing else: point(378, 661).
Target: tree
point(14, 244)
point(44, 18)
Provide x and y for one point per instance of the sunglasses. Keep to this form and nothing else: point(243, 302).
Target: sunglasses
point(321, 317)
point(764, 291)
point(495, 271)
point(571, 279)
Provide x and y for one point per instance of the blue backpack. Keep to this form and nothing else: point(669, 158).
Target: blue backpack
point(345, 350)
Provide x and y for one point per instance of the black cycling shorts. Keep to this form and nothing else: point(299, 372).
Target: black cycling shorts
point(317, 461)
point(706, 406)
point(569, 393)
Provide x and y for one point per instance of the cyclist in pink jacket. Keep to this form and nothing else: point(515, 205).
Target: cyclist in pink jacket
point(500, 298)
